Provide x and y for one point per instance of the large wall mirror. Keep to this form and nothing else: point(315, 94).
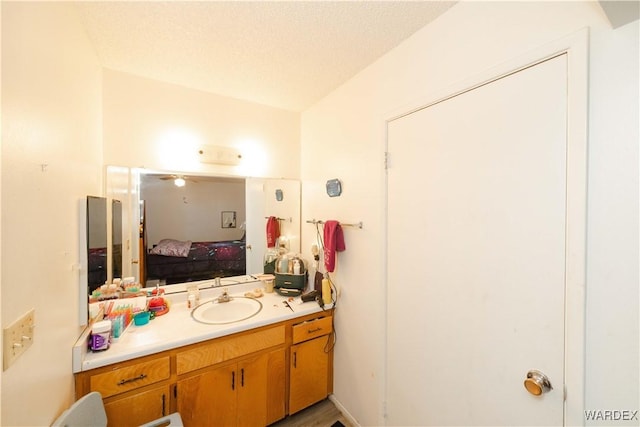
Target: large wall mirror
point(183, 227)
point(219, 222)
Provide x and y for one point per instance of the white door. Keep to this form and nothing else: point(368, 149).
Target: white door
point(476, 254)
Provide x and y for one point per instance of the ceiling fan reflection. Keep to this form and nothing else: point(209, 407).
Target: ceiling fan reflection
point(178, 180)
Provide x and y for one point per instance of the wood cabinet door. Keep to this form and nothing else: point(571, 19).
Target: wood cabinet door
point(138, 409)
point(208, 399)
point(249, 393)
point(252, 391)
point(276, 386)
point(309, 372)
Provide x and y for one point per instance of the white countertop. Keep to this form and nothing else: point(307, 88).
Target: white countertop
point(177, 328)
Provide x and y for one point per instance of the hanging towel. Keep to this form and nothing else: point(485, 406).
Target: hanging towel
point(333, 242)
point(273, 231)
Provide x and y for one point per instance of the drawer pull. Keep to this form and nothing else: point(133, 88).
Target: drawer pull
point(130, 380)
point(310, 331)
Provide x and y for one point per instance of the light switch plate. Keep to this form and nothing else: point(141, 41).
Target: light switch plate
point(17, 338)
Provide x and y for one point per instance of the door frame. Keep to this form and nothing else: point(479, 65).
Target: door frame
point(576, 47)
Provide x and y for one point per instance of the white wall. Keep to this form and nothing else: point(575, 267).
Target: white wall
point(343, 137)
point(157, 125)
point(51, 160)
point(613, 327)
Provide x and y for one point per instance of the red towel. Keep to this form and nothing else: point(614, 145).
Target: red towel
point(273, 231)
point(333, 241)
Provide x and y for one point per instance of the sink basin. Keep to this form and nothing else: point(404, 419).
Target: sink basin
point(220, 313)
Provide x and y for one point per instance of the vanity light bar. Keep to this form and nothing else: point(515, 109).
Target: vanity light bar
point(219, 155)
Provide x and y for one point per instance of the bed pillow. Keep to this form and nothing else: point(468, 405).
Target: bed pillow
point(171, 247)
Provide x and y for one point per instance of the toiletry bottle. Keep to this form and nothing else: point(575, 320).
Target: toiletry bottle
point(296, 266)
point(284, 264)
point(268, 285)
point(100, 335)
point(326, 292)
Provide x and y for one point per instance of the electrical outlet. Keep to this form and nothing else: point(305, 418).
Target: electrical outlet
point(17, 338)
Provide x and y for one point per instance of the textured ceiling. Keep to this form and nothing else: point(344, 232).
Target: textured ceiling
point(279, 53)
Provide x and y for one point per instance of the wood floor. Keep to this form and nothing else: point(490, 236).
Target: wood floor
point(322, 414)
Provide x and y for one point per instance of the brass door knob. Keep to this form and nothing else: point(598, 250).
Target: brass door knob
point(537, 383)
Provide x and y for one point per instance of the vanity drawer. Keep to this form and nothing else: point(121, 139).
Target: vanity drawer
point(130, 377)
point(311, 329)
point(224, 349)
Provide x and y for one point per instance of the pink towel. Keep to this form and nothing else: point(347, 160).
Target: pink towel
point(333, 241)
point(273, 231)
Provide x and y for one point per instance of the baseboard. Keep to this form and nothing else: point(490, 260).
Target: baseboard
point(342, 409)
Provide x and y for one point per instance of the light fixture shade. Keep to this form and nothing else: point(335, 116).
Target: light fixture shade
point(179, 182)
point(219, 155)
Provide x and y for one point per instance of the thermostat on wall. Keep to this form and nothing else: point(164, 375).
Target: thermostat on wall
point(334, 188)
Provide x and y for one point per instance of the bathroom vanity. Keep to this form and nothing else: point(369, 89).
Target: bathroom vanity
point(252, 372)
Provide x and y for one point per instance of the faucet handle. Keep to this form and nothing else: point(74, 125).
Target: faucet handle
point(224, 297)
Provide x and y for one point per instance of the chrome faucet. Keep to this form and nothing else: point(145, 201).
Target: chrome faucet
point(224, 297)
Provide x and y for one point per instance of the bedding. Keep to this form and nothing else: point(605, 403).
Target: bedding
point(203, 260)
point(171, 247)
point(97, 267)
